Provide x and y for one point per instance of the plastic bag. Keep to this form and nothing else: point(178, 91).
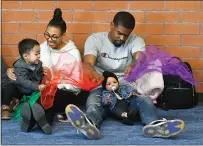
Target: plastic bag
point(68, 71)
point(155, 60)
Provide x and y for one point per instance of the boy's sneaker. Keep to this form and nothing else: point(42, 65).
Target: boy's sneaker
point(79, 120)
point(28, 121)
point(40, 117)
point(163, 128)
point(5, 112)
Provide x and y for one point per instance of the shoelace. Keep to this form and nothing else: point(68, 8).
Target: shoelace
point(158, 121)
point(161, 129)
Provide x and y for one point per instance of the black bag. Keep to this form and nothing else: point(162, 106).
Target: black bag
point(177, 94)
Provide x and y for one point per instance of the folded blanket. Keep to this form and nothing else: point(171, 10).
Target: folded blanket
point(147, 77)
point(150, 85)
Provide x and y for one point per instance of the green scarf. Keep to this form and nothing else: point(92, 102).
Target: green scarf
point(31, 100)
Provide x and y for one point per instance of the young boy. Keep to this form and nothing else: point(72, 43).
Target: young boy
point(29, 74)
point(117, 98)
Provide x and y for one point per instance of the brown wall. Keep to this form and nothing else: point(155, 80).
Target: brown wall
point(175, 26)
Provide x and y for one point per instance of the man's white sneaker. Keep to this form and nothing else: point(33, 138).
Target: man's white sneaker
point(79, 120)
point(163, 128)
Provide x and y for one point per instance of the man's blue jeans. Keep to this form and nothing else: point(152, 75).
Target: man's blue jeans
point(146, 109)
point(96, 112)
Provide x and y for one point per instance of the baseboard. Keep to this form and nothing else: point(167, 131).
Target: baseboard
point(200, 98)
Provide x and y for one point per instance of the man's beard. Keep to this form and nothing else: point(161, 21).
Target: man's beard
point(118, 43)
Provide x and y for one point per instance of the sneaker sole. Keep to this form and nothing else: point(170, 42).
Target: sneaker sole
point(78, 119)
point(40, 117)
point(26, 116)
point(5, 113)
point(171, 128)
point(5, 118)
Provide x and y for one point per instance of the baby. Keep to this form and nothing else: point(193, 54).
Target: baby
point(117, 98)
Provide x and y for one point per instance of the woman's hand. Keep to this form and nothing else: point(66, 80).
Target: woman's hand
point(10, 74)
point(47, 73)
point(46, 70)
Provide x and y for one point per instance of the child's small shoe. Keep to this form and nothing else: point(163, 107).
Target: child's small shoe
point(40, 117)
point(5, 112)
point(28, 121)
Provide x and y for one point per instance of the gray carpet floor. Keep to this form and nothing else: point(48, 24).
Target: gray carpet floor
point(112, 132)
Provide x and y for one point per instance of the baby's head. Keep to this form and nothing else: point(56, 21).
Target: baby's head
point(29, 50)
point(110, 81)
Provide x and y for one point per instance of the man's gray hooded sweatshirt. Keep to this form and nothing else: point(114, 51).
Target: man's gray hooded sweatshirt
point(28, 76)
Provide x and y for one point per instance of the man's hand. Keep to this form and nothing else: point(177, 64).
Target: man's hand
point(128, 69)
point(10, 74)
point(93, 75)
point(41, 87)
point(97, 77)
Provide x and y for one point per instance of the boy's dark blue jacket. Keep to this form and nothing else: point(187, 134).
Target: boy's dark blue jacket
point(28, 76)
